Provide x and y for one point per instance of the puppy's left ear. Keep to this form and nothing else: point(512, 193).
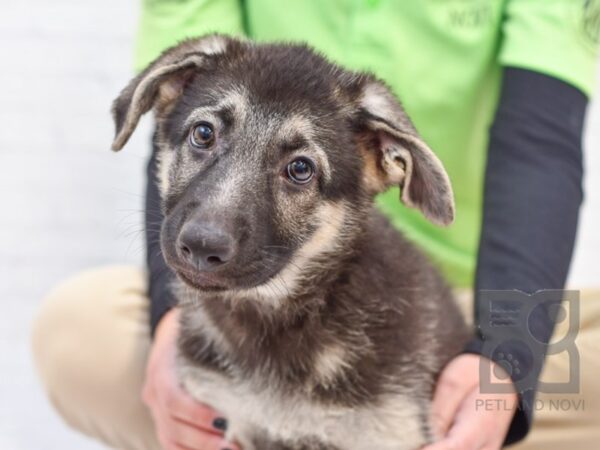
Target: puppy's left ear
point(395, 154)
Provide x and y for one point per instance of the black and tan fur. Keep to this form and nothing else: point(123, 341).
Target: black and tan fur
point(326, 329)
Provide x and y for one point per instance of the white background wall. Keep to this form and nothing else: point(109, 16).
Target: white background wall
point(67, 203)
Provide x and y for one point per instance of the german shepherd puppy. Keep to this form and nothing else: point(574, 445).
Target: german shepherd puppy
point(307, 320)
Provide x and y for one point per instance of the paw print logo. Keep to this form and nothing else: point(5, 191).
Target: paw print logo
point(513, 359)
point(510, 364)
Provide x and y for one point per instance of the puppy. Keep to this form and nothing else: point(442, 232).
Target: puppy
point(307, 320)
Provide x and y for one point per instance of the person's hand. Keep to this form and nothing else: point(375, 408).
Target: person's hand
point(181, 422)
point(462, 417)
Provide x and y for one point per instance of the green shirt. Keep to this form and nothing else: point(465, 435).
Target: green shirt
point(443, 59)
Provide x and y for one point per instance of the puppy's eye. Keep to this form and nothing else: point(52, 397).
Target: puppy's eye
point(300, 170)
point(202, 135)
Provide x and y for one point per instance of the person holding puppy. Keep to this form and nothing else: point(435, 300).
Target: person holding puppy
point(498, 89)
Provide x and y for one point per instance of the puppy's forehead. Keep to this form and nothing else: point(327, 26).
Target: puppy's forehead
point(295, 127)
point(229, 104)
point(237, 105)
point(282, 76)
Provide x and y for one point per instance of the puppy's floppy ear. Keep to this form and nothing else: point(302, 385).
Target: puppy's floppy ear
point(161, 83)
point(395, 154)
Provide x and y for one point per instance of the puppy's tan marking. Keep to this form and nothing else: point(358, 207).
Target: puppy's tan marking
point(298, 125)
point(324, 239)
point(331, 361)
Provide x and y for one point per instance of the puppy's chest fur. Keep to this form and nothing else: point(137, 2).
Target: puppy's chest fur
point(350, 365)
point(322, 400)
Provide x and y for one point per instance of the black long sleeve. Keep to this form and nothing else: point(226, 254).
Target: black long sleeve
point(159, 274)
point(533, 191)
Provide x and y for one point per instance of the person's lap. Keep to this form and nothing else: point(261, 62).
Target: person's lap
point(91, 340)
point(90, 344)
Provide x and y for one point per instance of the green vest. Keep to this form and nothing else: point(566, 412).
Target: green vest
point(441, 57)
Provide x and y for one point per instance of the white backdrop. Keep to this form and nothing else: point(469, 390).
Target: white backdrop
point(68, 204)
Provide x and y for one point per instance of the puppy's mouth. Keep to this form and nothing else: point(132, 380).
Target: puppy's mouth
point(202, 282)
point(221, 281)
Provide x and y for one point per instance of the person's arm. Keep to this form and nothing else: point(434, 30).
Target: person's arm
point(160, 276)
point(531, 204)
point(533, 191)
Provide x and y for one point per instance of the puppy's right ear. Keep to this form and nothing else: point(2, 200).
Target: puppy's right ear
point(161, 83)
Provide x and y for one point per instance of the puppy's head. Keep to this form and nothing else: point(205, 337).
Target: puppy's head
point(269, 156)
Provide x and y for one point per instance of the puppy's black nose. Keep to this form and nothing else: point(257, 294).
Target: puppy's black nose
point(205, 246)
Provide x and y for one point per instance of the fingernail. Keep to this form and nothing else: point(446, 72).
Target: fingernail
point(220, 424)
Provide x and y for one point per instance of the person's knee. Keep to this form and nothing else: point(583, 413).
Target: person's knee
point(90, 341)
point(55, 330)
point(75, 326)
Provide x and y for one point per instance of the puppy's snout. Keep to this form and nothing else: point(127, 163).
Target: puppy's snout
point(205, 246)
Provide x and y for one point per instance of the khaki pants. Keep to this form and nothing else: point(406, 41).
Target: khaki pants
point(91, 340)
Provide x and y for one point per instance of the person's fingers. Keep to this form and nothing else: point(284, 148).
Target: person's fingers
point(463, 439)
point(458, 414)
point(471, 429)
point(454, 443)
point(441, 445)
point(467, 435)
point(451, 390)
point(488, 425)
point(224, 446)
point(184, 435)
point(184, 408)
point(179, 447)
point(476, 429)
